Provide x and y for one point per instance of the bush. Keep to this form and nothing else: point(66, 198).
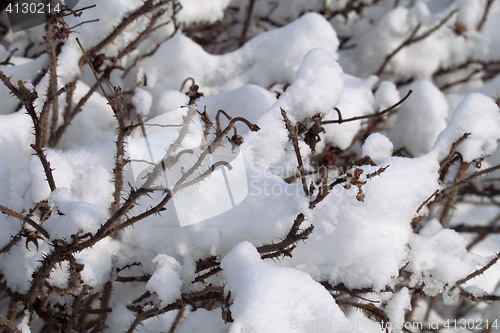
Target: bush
point(156, 154)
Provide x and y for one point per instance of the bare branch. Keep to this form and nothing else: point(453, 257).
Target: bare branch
point(7, 323)
point(485, 15)
point(293, 138)
point(26, 219)
point(413, 39)
point(386, 111)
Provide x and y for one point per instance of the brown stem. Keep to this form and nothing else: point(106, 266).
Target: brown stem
point(69, 116)
point(453, 194)
point(485, 15)
point(293, 138)
point(147, 7)
point(448, 161)
point(120, 160)
point(26, 219)
point(412, 39)
point(247, 23)
point(177, 320)
point(386, 111)
point(477, 272)
point(46, 166)
point(440, 195)
point(76, 308)
point(7, 323)
point(50, 41)
point(490, 228)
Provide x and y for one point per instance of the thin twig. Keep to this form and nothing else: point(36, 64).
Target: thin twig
point(246, 23)
point(26, 219)
point(76, 308)
point(486, 230)
point(11, 244)
point(285, 246)
point(177, 319)
point(447, 161)
point(412, 39)
point(379, 114)
point(69, 116)
point(293, 138)
point(7, 323)
point(464, 166)
point(94, 71)
point(476, 229)
point(485, 15)
point(105, 298)
point(147, 7)
point(476, 272)
point(471, 177)
point(483, 298)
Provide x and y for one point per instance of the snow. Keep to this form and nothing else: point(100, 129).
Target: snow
point(378, 147)
point(266, 193)
point(366, 241)
point(440, 258)
point(420, 119)
point(320, 79)
point(248, 101)
point(97, 262)
point(142, 101)
point(396, 307)
point(386, 95)
point(303, 98)
point(24, 325)
point(165, 281)
point(267, 59)
point(77, 216)
point(26, 72)
point(355, 100)
point(207, 11)
point(276, 299)
point(167, 100)
point(478, 115)
point(386, 36)
point(202, 319)
point(469, 13)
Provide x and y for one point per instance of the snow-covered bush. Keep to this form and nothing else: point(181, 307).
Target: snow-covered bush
point(252, 166)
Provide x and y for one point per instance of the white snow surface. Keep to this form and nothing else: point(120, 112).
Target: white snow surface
point(267, 59)
point(396, 307)
point(275, 299)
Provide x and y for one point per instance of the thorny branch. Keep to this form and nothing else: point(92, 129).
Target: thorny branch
point(38, 297)
point(27, 98)
point(438, 195)
point(26, 219)
point(293, 137)
point(477, 272)
point(268, 251)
